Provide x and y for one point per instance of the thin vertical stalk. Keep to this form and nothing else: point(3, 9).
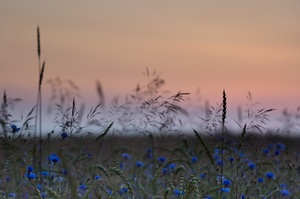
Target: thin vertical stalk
point(222, 142)
point(38, 118)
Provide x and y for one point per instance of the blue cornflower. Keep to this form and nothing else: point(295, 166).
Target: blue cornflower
point(266, 151)
point(126, 156)
point(280, 146)
point(162, 159)
point(194, 159)
point(277, 152)
point(139, 164)
point(226, 183)
point(64, 171)
point(45, 173)
point(270, 175)
point(220, 162)
point(260, 180)
point(251, 165)
point(242, 197)
point(64, 135)
point(14, 128)
point(231, 159)
point(108, 191)
point(203, 175)
point(39, 186)
point(242, 154)
point(122, 165)
point(30, 175)
point(82, 187)
point(172, 166)
point(97, 177)
point(282, 185)
point(54, 158)
point(225, 189)
point(29, 169)
point(284, 192)
point(12, 195)
point(123, 190)
point(216, 156)
point(178, 193)
point(164, 170)
point(207, 197)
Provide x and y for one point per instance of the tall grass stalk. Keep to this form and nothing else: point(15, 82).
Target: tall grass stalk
point(223, 131)
point(38, 118)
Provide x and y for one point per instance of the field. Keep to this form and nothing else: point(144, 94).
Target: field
point(135, 150)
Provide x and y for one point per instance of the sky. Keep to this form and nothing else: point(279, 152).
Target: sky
point(239, 46)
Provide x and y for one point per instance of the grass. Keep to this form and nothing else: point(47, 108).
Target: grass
point(147, 157)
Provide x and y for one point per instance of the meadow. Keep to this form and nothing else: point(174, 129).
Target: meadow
point(136, 150)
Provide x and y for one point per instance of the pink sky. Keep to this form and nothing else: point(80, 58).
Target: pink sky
point(213, 45)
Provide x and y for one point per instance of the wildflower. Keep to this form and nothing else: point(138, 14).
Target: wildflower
point(164, 170)
point(162, 159)
point(54, 158)
point(45, 173)
point(270, 175)
point(260, 180)
point(39, 186)
point(283, 185)
point(29, 169)
point(266, 151)
point(122, 165)
point(280, 146)
point(82, 187)
point(97, 177)
point(108, 191)
point(123, 190)
point(203, 175)
point(251, 165)
point(172, 166)
point(226, 183)
point(126, 156)
point(64, 171)
point(14, 128)
point(242, 155)
point(178, 193)
point(216, 156)
point(63, 135)
point(284, 192)
point(277, 152)
point(194, 159)
point(30, 175)
point(139, 164)
point(225, 189)
point(12, 195)
point(231, 160)
point(220, 162)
